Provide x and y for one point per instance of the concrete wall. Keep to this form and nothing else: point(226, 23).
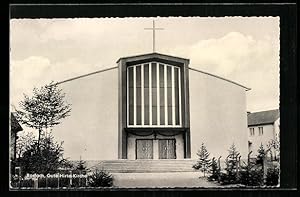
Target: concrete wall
point(217, 115)
point(91, 131)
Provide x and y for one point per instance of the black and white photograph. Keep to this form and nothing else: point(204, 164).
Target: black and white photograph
point(144, 102)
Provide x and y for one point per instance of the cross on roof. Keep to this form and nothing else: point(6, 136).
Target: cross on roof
point(153, 31)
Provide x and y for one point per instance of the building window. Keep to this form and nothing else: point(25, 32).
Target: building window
point(260, 131)
point(251, 131)
point(153, 95)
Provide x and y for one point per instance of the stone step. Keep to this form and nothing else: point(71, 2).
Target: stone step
point(146, 165)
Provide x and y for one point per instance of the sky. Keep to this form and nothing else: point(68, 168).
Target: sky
point(242, 49)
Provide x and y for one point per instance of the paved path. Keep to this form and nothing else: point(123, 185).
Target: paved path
point(159, 180)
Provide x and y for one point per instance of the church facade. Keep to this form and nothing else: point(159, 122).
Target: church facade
point(153, 107)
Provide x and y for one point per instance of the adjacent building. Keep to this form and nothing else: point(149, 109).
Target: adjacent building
point(263, 129)
point(15, 128)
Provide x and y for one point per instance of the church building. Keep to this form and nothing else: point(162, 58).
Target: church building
point(152, 107)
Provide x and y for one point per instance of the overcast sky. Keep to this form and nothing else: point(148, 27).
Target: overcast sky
point(242, 49)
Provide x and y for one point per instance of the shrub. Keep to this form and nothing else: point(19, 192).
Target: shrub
point(47, 159)
point(272, 177)
point(26, 183)
point(100, 179)
point(226, 179)
point(251, 177)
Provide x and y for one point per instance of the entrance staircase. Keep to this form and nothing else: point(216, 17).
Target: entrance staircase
point(139, 166)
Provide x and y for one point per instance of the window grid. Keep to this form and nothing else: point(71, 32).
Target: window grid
point(165, 96)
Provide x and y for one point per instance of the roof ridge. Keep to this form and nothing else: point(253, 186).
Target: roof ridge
point(153, 53)
point(264, 111)
point(85, 75)
point(219, 77)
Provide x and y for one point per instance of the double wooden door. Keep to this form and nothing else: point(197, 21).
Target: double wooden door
point(144, 149)
point(167, 149)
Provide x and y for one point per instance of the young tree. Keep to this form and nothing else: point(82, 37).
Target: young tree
point(232, 164)
point(261, 154)
point(214, 169)
point(81, 165)
point(44, 109)
point(203, 162)
point(80, 168)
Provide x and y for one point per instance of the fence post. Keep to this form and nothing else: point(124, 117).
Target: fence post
point(58, 180)
point(219, 164)
point(264, 168)
point(35, 183)
point(70, 180)
point(18, 171)
point(249, 157)
point(237, 165)
point(86, 182)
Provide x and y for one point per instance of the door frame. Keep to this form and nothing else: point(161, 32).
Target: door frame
point(136, 147)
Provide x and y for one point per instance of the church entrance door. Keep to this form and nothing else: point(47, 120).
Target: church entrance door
point(167, 149)
point(144, 149)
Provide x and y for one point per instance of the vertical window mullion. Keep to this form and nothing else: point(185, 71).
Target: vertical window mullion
point(150, 94)
point(127, 95)
point(166, 94)
point(179, 87)
point(134, 95)
point(142, 93)
point(158, 98)
point(173, 96)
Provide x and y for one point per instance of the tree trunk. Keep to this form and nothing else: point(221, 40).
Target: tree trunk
point(39, 139)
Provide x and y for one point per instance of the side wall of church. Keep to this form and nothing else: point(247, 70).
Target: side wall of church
point(91, 130)
point(218, 115)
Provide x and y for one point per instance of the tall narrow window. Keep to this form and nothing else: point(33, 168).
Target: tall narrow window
point(146, 94)
point(176, 84)
point(162, 94)
point(169, 95)
point(260, 130)
point(251, 131)
point(138, 96)
point(154, 94)
point(130, 95)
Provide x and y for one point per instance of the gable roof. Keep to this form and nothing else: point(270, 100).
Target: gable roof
point(263, 117)
point(149, 56)
point(15, 126)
